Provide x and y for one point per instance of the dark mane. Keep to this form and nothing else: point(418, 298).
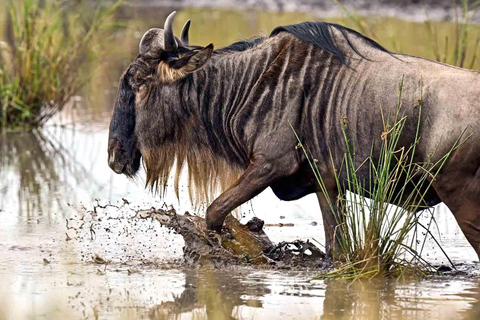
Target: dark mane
point(319, 34)
point(242, 45)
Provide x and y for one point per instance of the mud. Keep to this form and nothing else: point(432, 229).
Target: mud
point(238, 244)
point(245, 245)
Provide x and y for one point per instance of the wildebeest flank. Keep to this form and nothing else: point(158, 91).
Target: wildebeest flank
point(226, 113)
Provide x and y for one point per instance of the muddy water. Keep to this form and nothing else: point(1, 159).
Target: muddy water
point(61, 260)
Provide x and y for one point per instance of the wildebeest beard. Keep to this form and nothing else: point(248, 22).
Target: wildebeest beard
point(207, 173)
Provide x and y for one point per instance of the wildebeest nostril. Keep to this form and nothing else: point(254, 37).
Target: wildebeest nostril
point(115, 166)
point(111, 159)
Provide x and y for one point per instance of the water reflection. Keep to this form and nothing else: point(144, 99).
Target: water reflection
point(242, 294)
point(360, 300)
point(473, 294)
point(29, 164)
point(39, 173)
point(238, 294)
point(210, 294)
point(216, 295)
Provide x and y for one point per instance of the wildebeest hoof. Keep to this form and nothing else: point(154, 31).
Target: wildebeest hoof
point(212, 226)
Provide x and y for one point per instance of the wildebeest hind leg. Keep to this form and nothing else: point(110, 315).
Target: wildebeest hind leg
point(329, 221)
point(468, 218)
point(258, 176)
point(465, 206)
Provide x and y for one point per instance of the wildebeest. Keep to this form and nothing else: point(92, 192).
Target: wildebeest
point(226, 114)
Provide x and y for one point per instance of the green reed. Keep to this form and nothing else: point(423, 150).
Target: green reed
point(463, 30)
point(375, 238)
point(46, 57)
point(459, 48)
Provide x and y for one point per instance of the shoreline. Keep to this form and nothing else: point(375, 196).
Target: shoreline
point(411, 10)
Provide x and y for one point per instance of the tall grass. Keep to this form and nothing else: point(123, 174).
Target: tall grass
point(375, 238)
point(46, 57)
point(457, 57)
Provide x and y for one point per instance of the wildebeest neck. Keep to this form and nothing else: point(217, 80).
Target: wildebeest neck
point(232, 94)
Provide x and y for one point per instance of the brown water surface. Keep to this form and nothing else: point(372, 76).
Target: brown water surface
point(49, 236)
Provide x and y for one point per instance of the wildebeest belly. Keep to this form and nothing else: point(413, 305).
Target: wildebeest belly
point(303, 183)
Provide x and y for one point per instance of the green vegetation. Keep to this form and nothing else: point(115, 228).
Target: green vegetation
point(454, 45)
point(375, 238)
point(460, 40)
point(45, 60)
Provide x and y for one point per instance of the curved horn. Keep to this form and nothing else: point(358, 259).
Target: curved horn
point(184, 34)
point(170, 44)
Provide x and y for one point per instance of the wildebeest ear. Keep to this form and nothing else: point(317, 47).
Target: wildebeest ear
point(193, 61)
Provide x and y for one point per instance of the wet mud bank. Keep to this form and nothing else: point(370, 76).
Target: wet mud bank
point(129, 238)
point(238, 244)
point(413, 10)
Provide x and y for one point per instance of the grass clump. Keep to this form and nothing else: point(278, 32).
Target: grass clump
point(46, 57)
point(375, 238)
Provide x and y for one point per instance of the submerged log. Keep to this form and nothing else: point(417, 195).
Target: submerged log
point(237, 244)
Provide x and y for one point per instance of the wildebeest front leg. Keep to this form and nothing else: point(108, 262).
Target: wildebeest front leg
point(258, 176)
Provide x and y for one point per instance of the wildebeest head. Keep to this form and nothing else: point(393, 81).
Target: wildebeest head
point(163, 59)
